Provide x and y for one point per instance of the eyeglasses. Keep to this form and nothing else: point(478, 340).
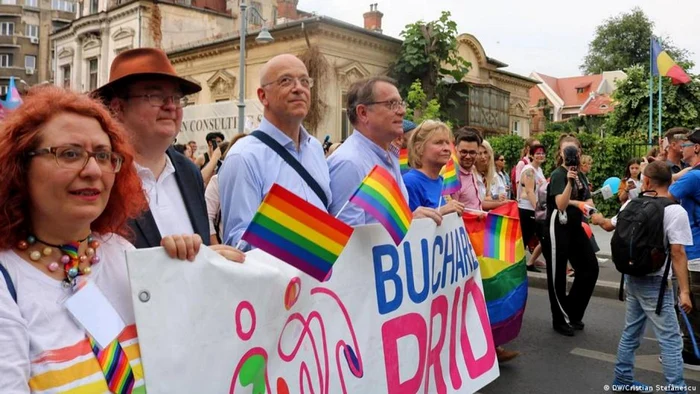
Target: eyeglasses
point(468, 153)
point(393, 105)
point(159, 100)
point(687, 144)
point(287, 82)
point(76, 158)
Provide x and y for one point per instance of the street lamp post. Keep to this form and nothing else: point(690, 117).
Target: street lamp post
point(263, 37)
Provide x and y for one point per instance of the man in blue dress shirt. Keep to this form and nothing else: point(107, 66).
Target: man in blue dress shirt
point(251, 167)
point(376, 111)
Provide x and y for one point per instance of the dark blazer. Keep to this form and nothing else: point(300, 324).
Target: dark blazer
point(191, 185)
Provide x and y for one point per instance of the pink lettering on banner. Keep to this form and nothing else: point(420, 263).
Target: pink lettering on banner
point(475, 367)
point(430, 349)
point(252, 369)
point(411, 324)
point(438, 307)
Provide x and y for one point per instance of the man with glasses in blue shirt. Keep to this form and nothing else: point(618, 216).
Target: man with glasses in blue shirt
point(376, 111)
point(270, 154)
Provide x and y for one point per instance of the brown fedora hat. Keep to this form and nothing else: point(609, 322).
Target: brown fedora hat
point(143, 62)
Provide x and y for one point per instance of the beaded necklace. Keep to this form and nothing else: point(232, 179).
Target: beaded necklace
point(70, 259)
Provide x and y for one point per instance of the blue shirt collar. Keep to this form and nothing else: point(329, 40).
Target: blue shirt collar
point(282, 138)
point(373, 147)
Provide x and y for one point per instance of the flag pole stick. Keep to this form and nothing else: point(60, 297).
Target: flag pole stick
point(341, 209)
point(660, 107)
point(651, 92)
point(239, 244)
point(476, 211)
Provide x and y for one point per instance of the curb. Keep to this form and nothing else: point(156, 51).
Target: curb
point(603, 288)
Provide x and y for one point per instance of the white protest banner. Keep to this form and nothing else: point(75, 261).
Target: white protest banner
point(389, 319)
point(199, 120)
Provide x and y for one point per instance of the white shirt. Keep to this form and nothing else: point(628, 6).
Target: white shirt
point(676, 228)
point(213, 203)
point(40, 343)
point(540, 179)
point(165, 200)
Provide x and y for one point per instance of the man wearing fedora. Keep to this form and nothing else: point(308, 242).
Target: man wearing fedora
point(146, 96)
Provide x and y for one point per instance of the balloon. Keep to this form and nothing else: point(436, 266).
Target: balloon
point(614, 184)
point(12, 99)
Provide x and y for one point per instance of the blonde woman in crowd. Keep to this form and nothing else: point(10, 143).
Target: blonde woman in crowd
point(491, 192)
point(428, 151)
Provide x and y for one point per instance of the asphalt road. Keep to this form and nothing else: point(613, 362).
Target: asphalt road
point(551, 363)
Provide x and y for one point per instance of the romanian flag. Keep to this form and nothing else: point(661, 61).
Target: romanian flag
point(403, 160)
point(663, 65)
point(380, 195)
point(297, 232)
point(450, 177)
point(498, 244)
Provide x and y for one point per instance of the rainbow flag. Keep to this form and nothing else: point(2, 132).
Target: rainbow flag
point(403, 161)
point(450, 177)
point(380, 195)
point(297, 232)
point(665, 66)
point(498, 244)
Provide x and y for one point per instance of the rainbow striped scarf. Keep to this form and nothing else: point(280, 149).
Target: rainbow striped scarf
point(115, 366)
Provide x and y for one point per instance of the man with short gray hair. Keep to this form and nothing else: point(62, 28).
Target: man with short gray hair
point(376, 111)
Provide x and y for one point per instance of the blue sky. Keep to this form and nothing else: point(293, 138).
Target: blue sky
point(548, 36)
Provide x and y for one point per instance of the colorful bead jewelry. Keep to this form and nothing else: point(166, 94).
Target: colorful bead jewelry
point(70, 260)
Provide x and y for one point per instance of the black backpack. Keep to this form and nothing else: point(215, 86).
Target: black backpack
point(637, 245)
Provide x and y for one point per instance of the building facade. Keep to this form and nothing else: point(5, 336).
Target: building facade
point(499, 99)
point(559, 99)
point(85, 48)
point(25, 50)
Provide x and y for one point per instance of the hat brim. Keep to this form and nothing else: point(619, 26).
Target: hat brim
point(106, 91)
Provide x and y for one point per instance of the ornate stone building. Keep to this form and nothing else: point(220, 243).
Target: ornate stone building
point(85, 48)
point(498, 103)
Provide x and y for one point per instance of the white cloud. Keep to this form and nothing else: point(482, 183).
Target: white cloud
point(544, 36)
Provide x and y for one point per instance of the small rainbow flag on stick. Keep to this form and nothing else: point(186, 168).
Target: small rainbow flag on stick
point(505, 242)
point(297, 232)
point(450, 178)
point(403, 161)
point(380, 195)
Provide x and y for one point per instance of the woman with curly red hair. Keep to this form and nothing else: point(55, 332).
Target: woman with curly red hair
point(69, 188)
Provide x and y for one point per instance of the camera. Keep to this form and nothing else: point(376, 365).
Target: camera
point(571, 156)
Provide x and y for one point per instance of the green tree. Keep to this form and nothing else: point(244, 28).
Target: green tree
point(419, 107)
point(623, 41)
point(429, 54)
point(681, 105)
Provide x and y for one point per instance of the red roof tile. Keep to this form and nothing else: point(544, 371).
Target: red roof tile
point(600, 105)
point(566, 88)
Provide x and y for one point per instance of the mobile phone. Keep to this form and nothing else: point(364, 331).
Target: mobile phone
point(213, 144)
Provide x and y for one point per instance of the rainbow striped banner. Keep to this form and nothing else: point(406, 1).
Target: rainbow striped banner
point(505, 240)
point(504, 280)
point(297, 232)
point(380, 195)
point(403, 161)
point(450, 177)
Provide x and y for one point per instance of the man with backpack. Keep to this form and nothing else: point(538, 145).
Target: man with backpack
point(650, 235)
point(686, 190)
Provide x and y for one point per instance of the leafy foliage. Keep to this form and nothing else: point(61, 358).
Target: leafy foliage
point(419, 108)
point(429, 54)
point(610, 155)
point(623, 41)
point(681, 105)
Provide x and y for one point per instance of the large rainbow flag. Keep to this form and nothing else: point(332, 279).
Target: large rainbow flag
point(380, 195)
point(450, 177)
point(297, 232)
point(664, 65)
point(498, 243)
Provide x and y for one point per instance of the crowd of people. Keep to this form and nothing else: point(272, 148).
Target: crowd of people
point(90, 177)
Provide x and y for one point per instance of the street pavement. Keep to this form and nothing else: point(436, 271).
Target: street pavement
point(551, 363)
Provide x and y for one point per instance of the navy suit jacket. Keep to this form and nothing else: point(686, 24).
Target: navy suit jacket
point(191, 185)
